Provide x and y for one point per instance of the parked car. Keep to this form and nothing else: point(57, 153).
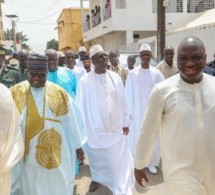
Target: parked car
point(123, 59)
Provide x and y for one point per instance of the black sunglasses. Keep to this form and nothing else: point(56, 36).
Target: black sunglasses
point(70, 57)
point(38, 74)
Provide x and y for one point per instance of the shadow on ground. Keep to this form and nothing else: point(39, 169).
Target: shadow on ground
point(83, 180)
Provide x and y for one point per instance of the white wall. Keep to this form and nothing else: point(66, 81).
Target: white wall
point(137, 16)
point(206, 35)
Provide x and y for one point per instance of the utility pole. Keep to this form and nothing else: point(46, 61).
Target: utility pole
point(13, 29)
point(161, 28)
point(14, 34)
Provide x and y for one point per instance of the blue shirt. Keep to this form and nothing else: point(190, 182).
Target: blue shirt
point(65, 78)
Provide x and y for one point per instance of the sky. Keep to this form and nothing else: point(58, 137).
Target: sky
point(36, 19)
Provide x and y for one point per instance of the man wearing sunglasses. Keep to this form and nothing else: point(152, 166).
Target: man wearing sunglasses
point(104, 106)
point(49, 119)
point(60, 75)
point(71, 64)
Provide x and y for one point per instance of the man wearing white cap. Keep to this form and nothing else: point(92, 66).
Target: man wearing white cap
point(82, 53)
point(14, 64)
point(138, 88)
point(105, 111)
point(61, 59)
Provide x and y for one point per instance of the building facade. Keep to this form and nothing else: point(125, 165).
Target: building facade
point(70, 29)
point(120, 24)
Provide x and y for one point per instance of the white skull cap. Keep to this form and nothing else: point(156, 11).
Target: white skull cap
point(95, 49)
point(145, 47)
point(82, 49)
point(61, 54)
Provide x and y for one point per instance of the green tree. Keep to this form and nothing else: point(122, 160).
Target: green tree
point(8, 35)
point(52, 44)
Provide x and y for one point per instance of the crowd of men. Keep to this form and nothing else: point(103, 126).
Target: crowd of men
point(59, 108)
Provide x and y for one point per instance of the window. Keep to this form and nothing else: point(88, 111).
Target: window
point(136, 36)
point(176, 6)
point(120, 4)
point(194, 6)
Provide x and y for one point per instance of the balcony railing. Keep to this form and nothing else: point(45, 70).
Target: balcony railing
point(193, 6)
point(199, 6)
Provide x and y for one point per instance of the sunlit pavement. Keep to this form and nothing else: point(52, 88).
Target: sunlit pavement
point(83, 180)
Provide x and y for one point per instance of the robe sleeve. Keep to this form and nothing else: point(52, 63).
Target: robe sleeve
point(80, 124)
point(11, 142)
point(74, 83)
point(80, 96)
point(73, 121)
point(161, 77)
point(125, 107)
point(129, 94)
point(77, 124)
point(149, 129)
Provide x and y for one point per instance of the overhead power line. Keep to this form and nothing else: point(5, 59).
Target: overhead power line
point(36, 23)
point(40, 18)
point(41, 35)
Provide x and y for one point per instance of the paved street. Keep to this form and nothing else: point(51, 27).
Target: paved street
point(83, 181)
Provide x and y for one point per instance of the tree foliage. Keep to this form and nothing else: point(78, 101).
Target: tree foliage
point(52, 44)
point(9, 35)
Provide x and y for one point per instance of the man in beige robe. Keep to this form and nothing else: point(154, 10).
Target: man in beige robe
point(183, 109)
point(168, 66)
point(11, 142)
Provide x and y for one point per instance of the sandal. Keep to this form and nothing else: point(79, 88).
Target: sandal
point(93, 186)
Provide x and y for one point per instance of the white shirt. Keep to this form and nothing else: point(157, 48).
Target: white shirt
point(79, 63)
point(102, 100)
point(99, 97)
point(185, 113)
point(108, 103)
point(78, 72)
point(138, 88)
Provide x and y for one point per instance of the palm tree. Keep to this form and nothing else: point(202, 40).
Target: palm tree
point(9, 35)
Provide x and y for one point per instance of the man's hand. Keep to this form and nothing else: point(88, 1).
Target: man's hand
point(125, 130)
point(141, 177)
point(80, 156)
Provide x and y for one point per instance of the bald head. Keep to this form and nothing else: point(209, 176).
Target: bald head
point(168, 48)
point(68, 52)
point(191, 59)
point(69, 59)
point(51, 52)
point(169, 53)
point(114, 57)
point(131, 61)
point(22, 56)
point(190, 42)
point(23, 52)
point(52, 59)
